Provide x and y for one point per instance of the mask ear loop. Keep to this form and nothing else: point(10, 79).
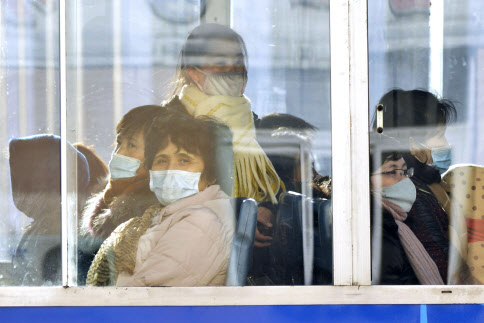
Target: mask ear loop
point(195, 81)
point(415, 151)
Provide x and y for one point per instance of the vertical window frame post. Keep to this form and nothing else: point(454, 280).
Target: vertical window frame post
point(350, 149)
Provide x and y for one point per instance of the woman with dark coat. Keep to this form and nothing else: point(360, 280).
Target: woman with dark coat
point(36, 177)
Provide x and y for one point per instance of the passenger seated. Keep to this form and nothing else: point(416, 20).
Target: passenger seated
point(402, 259)
point(35, 173)
point(276, 128)
point(128, 194)
point(185, 239)
point(426, 116)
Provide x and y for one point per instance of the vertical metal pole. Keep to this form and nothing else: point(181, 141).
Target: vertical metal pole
point(350, 153)
point(307, 211)
point(117, 61)
point(63, 119)
point(50, 66)
point(22, 77)
point(4, 191)
point(436, 46)
point(78, 52)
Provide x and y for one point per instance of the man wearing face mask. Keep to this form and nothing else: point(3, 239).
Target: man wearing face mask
point(399, 257)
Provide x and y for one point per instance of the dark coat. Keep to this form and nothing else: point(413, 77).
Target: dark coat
point(395, 267)
point(35, 175)
point(430, 224)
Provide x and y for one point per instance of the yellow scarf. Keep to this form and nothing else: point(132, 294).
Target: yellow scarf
point(254, 175)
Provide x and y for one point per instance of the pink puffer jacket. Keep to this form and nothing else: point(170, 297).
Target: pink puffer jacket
point(188, 243)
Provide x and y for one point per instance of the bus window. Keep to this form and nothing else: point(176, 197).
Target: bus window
point(30, 147)
point(132, 67)
point(425, 71)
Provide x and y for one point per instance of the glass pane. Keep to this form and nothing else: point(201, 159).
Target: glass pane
point(426, 77)
point(154, 220)
point(30, 252)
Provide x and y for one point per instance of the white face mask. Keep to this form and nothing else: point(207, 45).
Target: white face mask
point(121, 166)
point(402, 194)
point(227, 84)
point(171, 185)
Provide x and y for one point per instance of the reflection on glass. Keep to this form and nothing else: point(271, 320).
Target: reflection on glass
point(152, 224)
point(425, 71)
point(29, 195)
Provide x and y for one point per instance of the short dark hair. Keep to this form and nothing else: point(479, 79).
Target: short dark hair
point(415, 108)
point(386, 157)
point(139, 118)
point(204, 136)
point(274, 121)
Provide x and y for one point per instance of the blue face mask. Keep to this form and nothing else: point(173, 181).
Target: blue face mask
point(122, 166)
point(442, 158)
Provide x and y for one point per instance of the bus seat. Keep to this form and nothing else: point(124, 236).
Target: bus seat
point(323, 242)
point(287, 246)
point(240, 256)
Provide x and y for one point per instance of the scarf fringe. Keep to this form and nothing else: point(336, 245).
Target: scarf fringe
point(255, 176)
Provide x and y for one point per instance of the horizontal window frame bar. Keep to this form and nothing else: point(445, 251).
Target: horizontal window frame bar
point(250, 295)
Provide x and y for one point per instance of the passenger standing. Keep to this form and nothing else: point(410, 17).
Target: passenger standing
point(403, 258)
point(210, 80)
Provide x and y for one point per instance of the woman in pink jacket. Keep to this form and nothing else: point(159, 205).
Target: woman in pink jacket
point(186, 239)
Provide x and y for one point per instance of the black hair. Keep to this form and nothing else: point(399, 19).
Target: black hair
point(424, 172)
point(275, 121)
point(282, 147)
point(415, 108)
point(386, 157)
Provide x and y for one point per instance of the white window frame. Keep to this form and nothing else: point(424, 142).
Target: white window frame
point(351, 207)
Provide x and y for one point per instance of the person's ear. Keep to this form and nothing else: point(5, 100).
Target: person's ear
point(195, 75)
point(205, 181)
point(142, 169)
point(417, 151)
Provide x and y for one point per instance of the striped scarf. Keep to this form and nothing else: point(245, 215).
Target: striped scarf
point(118, 252)
point(254, 175)
point(422, 264)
